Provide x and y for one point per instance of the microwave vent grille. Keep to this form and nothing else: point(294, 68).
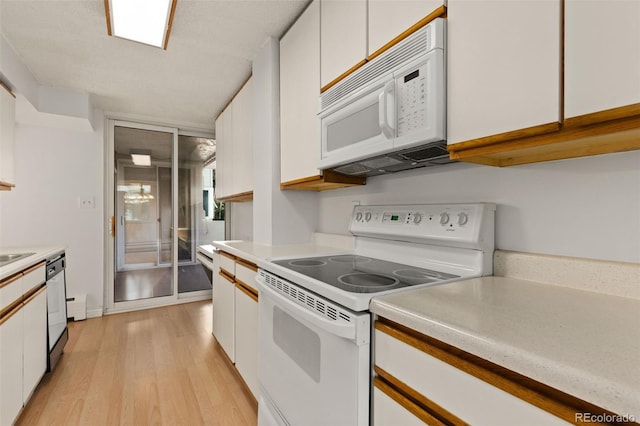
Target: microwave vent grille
point(416, 44)
point(426, 153)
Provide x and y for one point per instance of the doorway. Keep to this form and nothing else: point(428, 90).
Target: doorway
point(157, 215)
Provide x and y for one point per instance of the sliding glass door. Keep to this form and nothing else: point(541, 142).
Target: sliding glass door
point(157, 214)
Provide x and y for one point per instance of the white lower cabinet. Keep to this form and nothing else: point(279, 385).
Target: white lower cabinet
point(11, 365)
point(224, 312)
point(247, 338)
point(235, 316)
point(444, 391)
point(35, 341)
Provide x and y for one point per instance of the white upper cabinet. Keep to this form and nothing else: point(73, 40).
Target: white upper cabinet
point(299, 91)
point(343, 37)
point(390, 18)
point(7, 137)
point(602, 55)
point(242, 130)
point(503, 66)
point(234, 147)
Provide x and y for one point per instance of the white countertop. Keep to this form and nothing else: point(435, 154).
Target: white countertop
point(583, 343)
point(257, 253)
point(40, 253)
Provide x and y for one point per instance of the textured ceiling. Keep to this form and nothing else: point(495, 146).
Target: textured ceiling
point(65, 44)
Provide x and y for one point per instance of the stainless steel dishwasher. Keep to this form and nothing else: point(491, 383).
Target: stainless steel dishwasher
point(58, 334)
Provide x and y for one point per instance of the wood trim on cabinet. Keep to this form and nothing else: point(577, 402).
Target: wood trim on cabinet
point(233, 97)
point(417, 404)
point(437, 13)
point(247, 264)
point(247, 289)
point(107, 13)
point(10, 279)
point(227, 276)
point(174, 3)
point(545, 397)
point(5, 186)
point(617, 135)
point(5, 87)
point(327, 181)
point(500, 138)
point(227, 255)
point(237, 198)
point(35, 292)
point(34, 267)
point(15, 307)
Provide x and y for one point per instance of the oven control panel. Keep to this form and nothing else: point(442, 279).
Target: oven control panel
point(461, 224)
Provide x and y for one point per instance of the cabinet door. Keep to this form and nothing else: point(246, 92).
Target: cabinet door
point(343, 37)
point(35, 341)
point(242, 131)
point(247, 339)
point(390, 18)
point(602, 55)
point(224, 154)
point(503, 71)
point(7, 135)
point(224, 313)
point(11, 343)
point(299, 92)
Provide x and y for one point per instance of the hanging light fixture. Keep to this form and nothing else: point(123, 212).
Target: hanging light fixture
point(144, 21)
point(135, 196)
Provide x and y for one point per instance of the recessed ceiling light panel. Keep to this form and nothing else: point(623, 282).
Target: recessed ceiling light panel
point(144, 21)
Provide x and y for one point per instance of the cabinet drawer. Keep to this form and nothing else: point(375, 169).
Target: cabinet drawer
point(10, 291)
point(246, 273)
point(228, 263)
point(467, 397)
point(33, 277)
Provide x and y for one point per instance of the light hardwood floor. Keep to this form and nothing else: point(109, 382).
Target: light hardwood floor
point(158, 366)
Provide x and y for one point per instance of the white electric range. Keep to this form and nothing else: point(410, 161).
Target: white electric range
point(314, 321)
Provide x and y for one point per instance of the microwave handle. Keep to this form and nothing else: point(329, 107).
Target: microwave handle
point(383, 103)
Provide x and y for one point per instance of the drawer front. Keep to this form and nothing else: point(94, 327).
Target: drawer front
point(467, 397)
point(228, 263)
point(247, 275)
point(10, 291)
point(34, 277)
point(206, 261)
point(387, 412)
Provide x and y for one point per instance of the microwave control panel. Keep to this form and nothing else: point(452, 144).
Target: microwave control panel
point(412, 100)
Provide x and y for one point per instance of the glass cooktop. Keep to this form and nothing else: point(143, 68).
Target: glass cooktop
point(359, 274)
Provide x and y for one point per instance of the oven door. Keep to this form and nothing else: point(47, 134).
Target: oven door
point(310, 372)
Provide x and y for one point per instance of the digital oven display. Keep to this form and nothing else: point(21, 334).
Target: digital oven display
point(394, 217)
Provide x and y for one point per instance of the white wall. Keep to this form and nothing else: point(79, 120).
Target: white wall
point(53, 168)
point(586, 207)
point(240, 216)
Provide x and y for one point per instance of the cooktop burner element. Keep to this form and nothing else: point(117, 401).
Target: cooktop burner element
point(359, 279)
point(360, 274)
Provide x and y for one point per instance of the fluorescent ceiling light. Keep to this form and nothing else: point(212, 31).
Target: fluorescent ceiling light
point(141, 159)
point(144, 21)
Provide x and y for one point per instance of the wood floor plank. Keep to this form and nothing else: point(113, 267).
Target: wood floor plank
point(155, 367)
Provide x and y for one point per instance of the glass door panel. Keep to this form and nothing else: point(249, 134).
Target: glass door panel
point(193, 154)
point(143, 214)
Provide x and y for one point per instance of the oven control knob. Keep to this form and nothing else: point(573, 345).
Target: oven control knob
point(444, 218)
point(463, 218)
point(367, 216)
point(417, 218)
point(359, 216)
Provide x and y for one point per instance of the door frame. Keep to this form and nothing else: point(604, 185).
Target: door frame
point(110, 306)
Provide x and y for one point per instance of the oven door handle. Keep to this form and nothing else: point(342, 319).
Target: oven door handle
point(347, 331)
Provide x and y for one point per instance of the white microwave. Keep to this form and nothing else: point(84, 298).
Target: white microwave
point(393, 103)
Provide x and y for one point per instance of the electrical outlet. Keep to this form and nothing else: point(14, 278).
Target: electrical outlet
point(86, 202)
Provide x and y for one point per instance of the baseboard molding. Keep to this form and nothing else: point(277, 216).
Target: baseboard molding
point(94, 313)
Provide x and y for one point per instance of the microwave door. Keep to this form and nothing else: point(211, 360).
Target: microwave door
point(359, 126)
